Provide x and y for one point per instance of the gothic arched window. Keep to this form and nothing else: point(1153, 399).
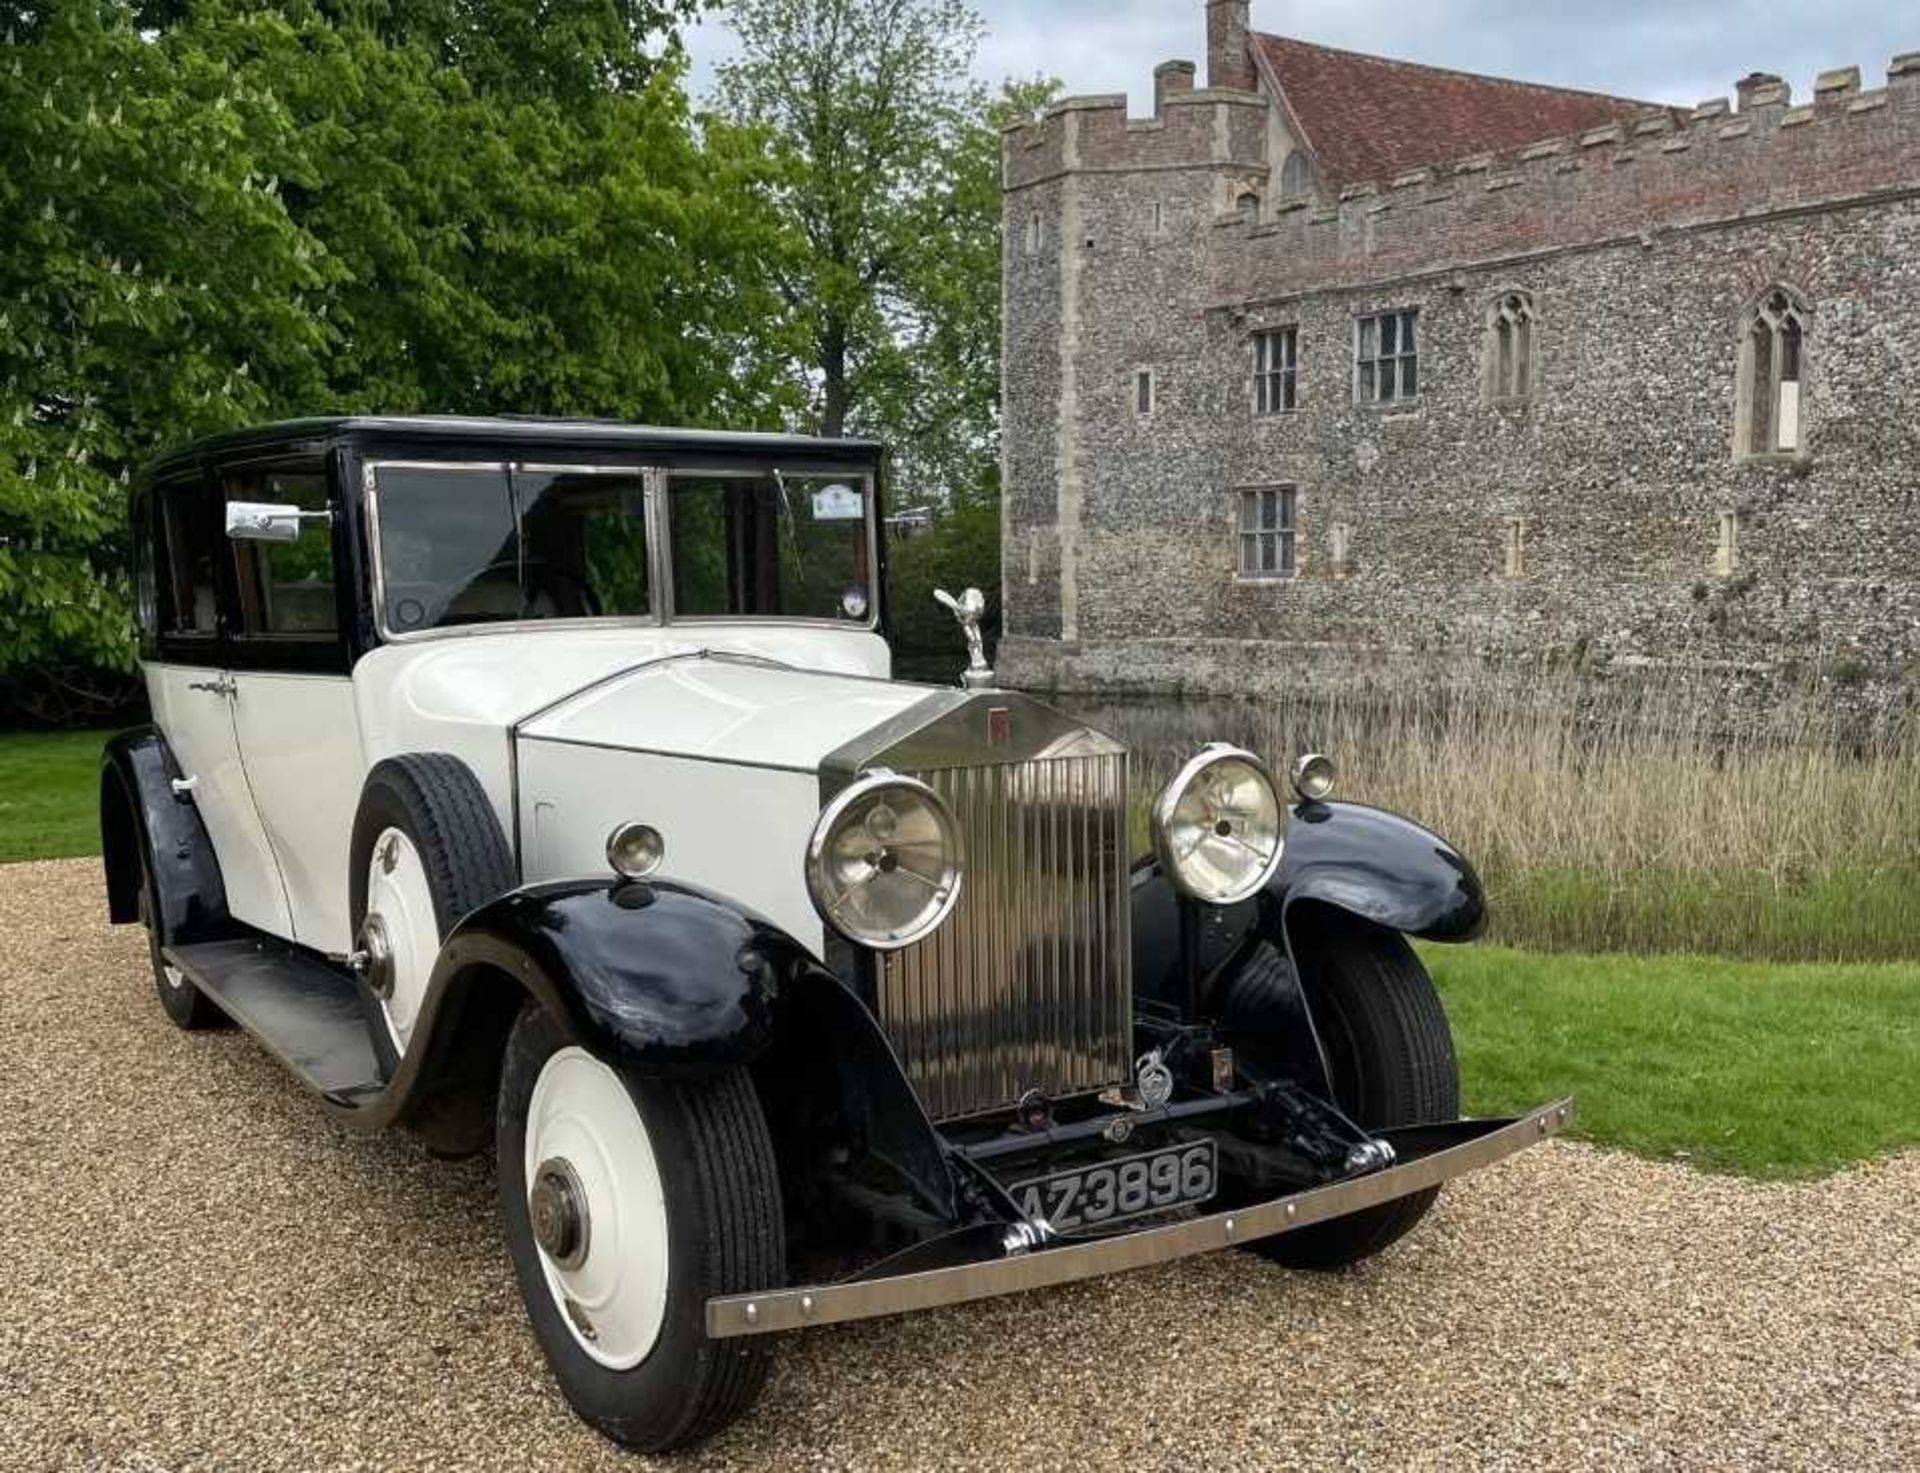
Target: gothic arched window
point(1296, 176)
point(1773, 361)
point(1510, 334)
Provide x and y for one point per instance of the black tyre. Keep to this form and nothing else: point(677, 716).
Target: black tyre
point(631, 1352)
point(185, 1004)
point(427, 851)
point(1391, 1053)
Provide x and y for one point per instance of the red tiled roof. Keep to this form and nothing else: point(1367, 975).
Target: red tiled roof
point(1366, 117)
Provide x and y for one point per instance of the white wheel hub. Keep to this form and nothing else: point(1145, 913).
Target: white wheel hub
point(400, 909)
point(598, 1208)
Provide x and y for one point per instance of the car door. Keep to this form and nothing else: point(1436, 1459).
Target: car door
point(293, 705)
point(190, 690)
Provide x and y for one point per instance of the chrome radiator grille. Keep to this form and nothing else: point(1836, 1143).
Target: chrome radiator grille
point(1028, 985)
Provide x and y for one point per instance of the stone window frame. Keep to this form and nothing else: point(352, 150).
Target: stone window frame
point(1144, 394)
point(1036, 233)
point(1780, 321)
point(1262, 516)
point(1366, 369)
point(1726, 551)
point(1514, 549)
point(1296, 175)
point(1510, 367)
point(1283, 381)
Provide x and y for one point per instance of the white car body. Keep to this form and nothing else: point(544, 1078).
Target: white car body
point(706, 732)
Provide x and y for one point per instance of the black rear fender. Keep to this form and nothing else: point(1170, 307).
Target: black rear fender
point(143, 826)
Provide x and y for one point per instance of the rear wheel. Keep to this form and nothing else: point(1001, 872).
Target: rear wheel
point(628, 1203)
point(1391, 1053)
point(185, 1004)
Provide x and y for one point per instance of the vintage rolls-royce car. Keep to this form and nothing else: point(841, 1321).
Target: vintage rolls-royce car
point(543, 786)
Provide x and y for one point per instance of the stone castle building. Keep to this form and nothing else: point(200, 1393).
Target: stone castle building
point(1344, 357)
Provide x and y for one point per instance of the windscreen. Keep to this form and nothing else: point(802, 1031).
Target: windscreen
point(465, 545)
point(771, 545)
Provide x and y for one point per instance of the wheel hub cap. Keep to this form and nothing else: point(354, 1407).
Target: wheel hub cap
point(374, 957)
point(558, 1206)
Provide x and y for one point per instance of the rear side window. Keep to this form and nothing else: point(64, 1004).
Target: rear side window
point(286, 589)
point(189, 588)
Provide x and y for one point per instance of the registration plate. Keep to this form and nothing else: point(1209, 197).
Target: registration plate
point(1173, 1176)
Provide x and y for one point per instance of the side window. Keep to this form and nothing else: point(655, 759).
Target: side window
point(189, 584)
point(1772, 365)
point(1509, 366)
point(1386, 363)
point(146, 578)
point(1276, 370)
point(1267, 533)
point(285, 588)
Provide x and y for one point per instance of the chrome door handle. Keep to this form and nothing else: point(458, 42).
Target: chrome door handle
point(220, 687)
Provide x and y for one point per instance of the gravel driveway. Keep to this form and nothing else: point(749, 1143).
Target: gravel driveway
point(196, 1270)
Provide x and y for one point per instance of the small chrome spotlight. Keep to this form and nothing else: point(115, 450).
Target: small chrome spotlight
point(635, 850)
point(1313, 777)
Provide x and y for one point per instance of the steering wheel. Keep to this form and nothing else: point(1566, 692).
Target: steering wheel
point(538, 571)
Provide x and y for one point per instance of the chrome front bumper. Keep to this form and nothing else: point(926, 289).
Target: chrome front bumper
point(1479, 1143)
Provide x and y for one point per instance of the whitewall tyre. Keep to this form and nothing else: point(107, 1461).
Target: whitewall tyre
point(628, 1202)
point(426, 852)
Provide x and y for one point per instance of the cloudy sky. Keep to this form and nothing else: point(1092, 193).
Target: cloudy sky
point(1677, 51)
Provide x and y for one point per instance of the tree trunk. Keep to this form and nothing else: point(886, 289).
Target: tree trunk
point(833, 372)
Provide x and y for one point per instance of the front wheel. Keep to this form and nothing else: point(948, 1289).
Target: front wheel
point(1391, 1054)
point(628, 1203)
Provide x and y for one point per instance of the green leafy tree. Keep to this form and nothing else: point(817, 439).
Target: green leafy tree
point(213, 214)
point(866, 108)
point(886, 176)
point(152, 287)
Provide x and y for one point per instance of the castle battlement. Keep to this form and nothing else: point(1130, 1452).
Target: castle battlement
point(1201, 128)
point(1667, 168)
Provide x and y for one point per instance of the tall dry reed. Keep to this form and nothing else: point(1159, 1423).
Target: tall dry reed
point(1628, 816)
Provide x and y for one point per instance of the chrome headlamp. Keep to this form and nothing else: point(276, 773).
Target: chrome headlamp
point(883, 865)
point(1219, 826)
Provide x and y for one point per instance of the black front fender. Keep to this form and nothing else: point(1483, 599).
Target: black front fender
point(1380, 867)
point(1240, 967)
point(669, 977)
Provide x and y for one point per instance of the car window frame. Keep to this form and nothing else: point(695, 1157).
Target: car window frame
point(869, 480)
point(370, 469)
point(269, 650)
point(198, 648)
point(656, 476)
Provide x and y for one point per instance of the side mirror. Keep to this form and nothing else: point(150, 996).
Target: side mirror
point(259, 521)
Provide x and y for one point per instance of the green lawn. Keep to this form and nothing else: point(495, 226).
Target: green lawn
point(1737, 1066)
point(50, 794)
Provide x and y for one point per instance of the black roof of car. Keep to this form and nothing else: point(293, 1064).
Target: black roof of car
point(586, 434)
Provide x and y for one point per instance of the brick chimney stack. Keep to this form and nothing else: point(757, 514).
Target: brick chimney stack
point(1229, 58)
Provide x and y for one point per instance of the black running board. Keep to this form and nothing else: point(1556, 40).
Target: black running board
point(306, 1013)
